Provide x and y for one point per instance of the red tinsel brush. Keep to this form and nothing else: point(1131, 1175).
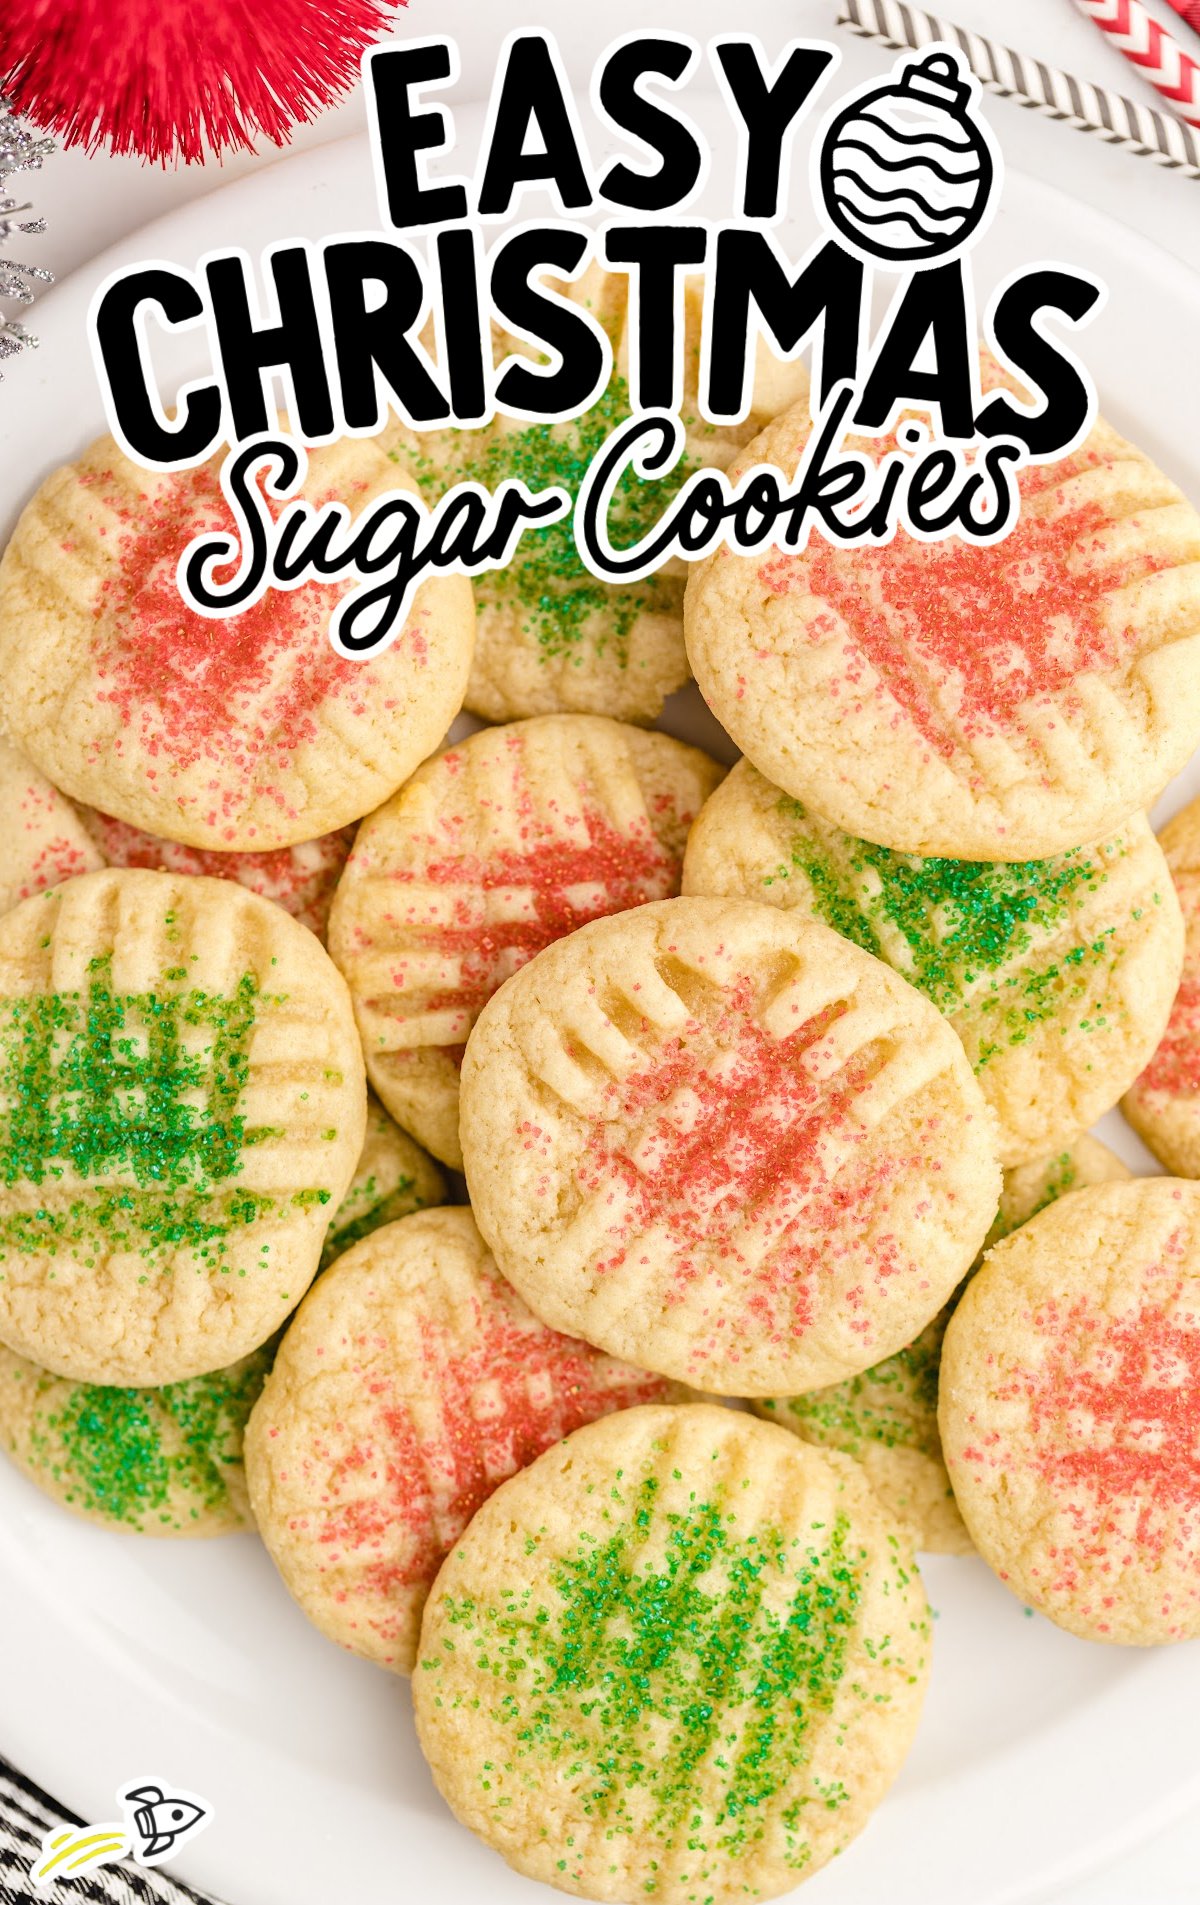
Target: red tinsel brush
point(168, 78)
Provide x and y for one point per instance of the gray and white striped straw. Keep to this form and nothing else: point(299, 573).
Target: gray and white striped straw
point(1112, 117)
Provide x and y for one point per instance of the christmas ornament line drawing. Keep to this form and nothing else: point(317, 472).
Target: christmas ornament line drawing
point(20, 151)
point(908, 169)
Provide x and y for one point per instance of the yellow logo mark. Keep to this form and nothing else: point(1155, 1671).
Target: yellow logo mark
point(77, 1849)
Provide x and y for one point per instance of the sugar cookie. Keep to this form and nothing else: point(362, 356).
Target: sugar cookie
point(394, 1177)
point(551, 637)
point(886, 1418)
point(726, 1144)
point(301, 879)
point(1070, 1411)
point(162, 1461)
point(42, 839)
point(412, 1381)
point(1163, 1105)
point(681, 1657)
point(1056, 974)
point(249, 732)
point(995, 701)
point(500, 845)
point(182, 1107)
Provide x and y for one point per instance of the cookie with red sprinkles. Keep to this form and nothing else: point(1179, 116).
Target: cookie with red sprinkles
point(999, 701)
point(886, 1417)
point(301, 879)
point(248, 733)
point(726, 1144)
point(1057, 974)
point(502, 844)
point(411, 1383)
point(1070, 1411)
point(182, 1109)
point(680, 1658)
point(43, 840)
point(1163, 1104)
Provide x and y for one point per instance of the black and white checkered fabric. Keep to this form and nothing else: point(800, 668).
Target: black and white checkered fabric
point(26, 1813)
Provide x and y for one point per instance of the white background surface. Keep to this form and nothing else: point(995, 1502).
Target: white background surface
point(92, 202)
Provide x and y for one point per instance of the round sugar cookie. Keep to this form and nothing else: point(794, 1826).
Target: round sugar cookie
point(1070, 1411)
point(986, 701)
point(886, 1417)
point(551, 637)
point(301, 879)
point(726, 1144)
point(42, 839)
point(162, 1461)
point(248, 732)
point(394, 1177)
point(498, 846)
point(168, 1461)
point(182, 1107)
point(1163, 1104)
point(681, 1657)
point(1056, 974)
point(412, 1381)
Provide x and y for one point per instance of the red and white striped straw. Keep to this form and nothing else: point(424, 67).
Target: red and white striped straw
point(1188, 10)
point(1155, 52)
point(1161, 136)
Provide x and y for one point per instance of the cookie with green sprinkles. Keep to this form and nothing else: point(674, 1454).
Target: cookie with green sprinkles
point(550, 637)
point(394, 1178)
point(182, 1106)
point(1057, 975)
point(886, 1418)
point(680, 1658)
point(147, 1461)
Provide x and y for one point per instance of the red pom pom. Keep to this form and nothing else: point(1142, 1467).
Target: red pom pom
point(165, 78)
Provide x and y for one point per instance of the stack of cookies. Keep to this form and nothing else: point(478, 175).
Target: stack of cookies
point(413, 1155)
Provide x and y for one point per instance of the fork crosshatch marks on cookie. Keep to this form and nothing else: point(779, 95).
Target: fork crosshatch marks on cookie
point(140, 1093)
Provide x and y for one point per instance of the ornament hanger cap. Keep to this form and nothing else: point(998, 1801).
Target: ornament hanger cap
point(936, 77)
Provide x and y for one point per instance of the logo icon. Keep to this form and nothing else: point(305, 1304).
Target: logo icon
point(160, 1819)
point(907, 170)
point(157, 1820)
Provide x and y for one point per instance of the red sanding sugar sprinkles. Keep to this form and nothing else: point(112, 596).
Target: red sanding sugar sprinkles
point(1074, 1423)
point(733, 1142)
point(244, 732)
point(243, 692)
point(961, 636)
point(497, 1404)
point(749, 1153)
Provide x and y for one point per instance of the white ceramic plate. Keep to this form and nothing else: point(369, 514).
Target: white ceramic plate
point(1039, 1756)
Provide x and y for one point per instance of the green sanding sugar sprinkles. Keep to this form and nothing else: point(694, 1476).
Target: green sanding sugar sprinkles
point(152, 1461)
point(1058, 975)
point(680, 1658)
point(168, 1460)
point(182, 1106)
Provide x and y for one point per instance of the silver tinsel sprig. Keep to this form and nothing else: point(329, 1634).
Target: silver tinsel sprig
point(20, 151)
